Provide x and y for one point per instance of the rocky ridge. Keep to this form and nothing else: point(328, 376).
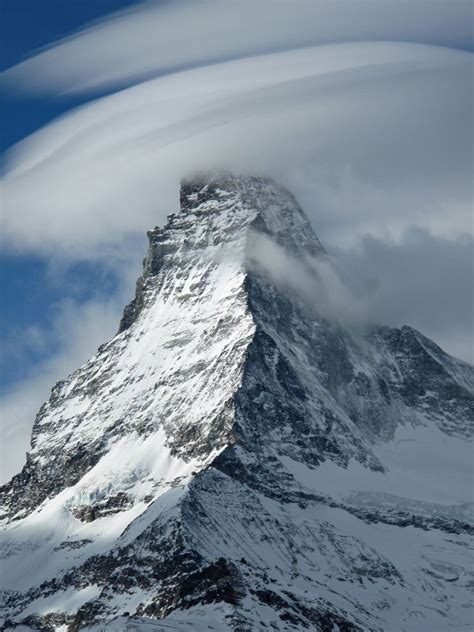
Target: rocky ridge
point(233, 460)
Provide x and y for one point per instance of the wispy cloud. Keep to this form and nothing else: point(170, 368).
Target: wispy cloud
point(76, 332)
point(418, 279)
point(314, 280)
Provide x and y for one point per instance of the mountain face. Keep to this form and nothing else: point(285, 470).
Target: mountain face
point(234, 460)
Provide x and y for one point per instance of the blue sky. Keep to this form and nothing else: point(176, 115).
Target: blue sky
point(364, 110)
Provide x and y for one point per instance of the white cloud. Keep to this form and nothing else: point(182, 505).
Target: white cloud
point(370, 127)
point(420, 279)
point(315, 280)
point(157, 37)
point(395, 112)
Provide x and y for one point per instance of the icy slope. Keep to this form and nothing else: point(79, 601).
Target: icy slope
point(232, 460)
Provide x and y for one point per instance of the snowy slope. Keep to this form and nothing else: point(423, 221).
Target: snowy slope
point(235, 460)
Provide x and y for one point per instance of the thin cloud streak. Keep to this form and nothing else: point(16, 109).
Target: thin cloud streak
point(163, 37)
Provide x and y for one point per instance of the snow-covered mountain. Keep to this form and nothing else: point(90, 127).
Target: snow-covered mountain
point(236, 460)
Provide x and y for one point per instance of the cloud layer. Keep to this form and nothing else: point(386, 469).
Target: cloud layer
point(158, 37)
point(383, 124)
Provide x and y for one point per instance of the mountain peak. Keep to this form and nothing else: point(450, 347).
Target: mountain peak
point(274, 209)
point(233, 461)
point(202, 187)
point(224, 208)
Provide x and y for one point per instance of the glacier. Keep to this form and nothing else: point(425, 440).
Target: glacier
point(237, 459)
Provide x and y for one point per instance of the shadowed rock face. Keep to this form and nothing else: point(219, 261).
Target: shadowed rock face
point(232, 460)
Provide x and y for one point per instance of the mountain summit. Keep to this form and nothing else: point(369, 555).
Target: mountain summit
point(235, 459)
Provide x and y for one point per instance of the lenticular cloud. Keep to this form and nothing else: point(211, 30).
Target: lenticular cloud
point(115, 162)
point(155, 37)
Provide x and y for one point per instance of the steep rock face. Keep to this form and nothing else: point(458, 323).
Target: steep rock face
point(233, 460)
